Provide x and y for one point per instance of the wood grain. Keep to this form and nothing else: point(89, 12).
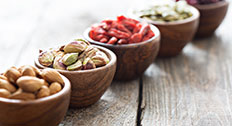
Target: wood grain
point(193, 88)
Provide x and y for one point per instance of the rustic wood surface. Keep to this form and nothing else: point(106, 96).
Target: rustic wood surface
point(193, 88)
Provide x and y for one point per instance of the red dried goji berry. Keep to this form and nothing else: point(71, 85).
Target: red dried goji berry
point(137, 28)
point(123, 28)
point(104, 40)
point(122, 41)
point(145, 28)
point(149, 35)
point(118, 34)
point(113, 40)
point(135, 38)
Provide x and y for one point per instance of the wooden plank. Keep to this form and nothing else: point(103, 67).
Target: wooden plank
point(63, 21)
point(193, 88)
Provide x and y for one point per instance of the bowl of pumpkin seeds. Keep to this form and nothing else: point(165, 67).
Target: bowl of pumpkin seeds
point(177, 22)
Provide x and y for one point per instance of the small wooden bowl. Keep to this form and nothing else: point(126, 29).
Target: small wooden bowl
point(211, 17)
point(89, 85)
point(174, 35)
point(132, 59)
point(48, 111)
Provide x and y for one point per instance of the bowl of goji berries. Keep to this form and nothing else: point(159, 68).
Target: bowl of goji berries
point(212, 13)
point(136, 44)
point(177, 22)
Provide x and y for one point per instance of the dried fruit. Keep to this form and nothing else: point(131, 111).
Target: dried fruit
point(69, 58)
point(43, 92)
point(4, 84)
point(55, 87)
point(20, 95)
point(75, 66)
point(75, 47)
point(4, 93)
point(30, 84)
point(12, 75)
point(52, 75)
point(46, 58)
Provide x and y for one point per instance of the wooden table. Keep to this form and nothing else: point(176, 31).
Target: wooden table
point(194, 88)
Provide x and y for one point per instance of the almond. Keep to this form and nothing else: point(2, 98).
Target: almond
point(4, 93)
point(52, 75)
point(28, 71)
point(12, 74)
point(7, 85)
point(43, 92)
point(55, 87)
point(30, 84)
point(19, 94)
point(3, 77)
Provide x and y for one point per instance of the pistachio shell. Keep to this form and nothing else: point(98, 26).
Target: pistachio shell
point(75, 47)
point(69, 58)
point(75, 66)
point(46, 58)
point(88, 64)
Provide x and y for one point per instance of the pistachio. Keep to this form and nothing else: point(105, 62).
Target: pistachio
point(69, 58)
point(43, 92)
point(52, 75)
point(100, 59)
point(4, 93)
point(55, 87)
point(4, 84)
point(75, 47)
point(30, 84)
point(46, 58)
point(75, 66)
point(88, 64)
point(12, 74)
point(89, 52)
point(58, 64)
point(19, 94)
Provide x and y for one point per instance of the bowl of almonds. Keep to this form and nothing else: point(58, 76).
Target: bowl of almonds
point(89, 68)
point(30, 97)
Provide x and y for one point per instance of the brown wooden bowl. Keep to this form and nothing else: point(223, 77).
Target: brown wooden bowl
point(132, 59)
point(48, 111)
point(174, 35)
point(89, 85)
point(211, 16)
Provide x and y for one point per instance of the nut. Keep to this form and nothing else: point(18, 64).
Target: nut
point(19, 94)
point(43, 92)
point(69, 59)
point(30, 84)
point(3, 77)
point(6, 85)
point(12, 74)
point(58, 64)
point(100, 59)
point(45, 83)
point(75, 66)
point(28, 71)
point(4, 93)
point(88, 64)
point(55, 87)
point(52, 75)
point(75, 47)
point(89, 52)
point(46, 58)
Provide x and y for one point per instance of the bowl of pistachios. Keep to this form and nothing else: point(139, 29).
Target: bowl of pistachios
point(31, 97)
point(177, 22)
point(212, 13)
point(89, 68)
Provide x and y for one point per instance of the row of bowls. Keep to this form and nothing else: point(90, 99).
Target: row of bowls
point(132, 60)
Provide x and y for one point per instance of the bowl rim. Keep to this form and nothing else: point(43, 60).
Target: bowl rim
point(113, 60)
point(66, 88)
point(211, 5)
point(132, 45)
point(195, 16)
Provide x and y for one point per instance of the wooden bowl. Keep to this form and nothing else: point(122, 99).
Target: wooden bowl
point(48, 111)
point(132, 59)
point(211, 16)
point(89, 85)
point(174, 35)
